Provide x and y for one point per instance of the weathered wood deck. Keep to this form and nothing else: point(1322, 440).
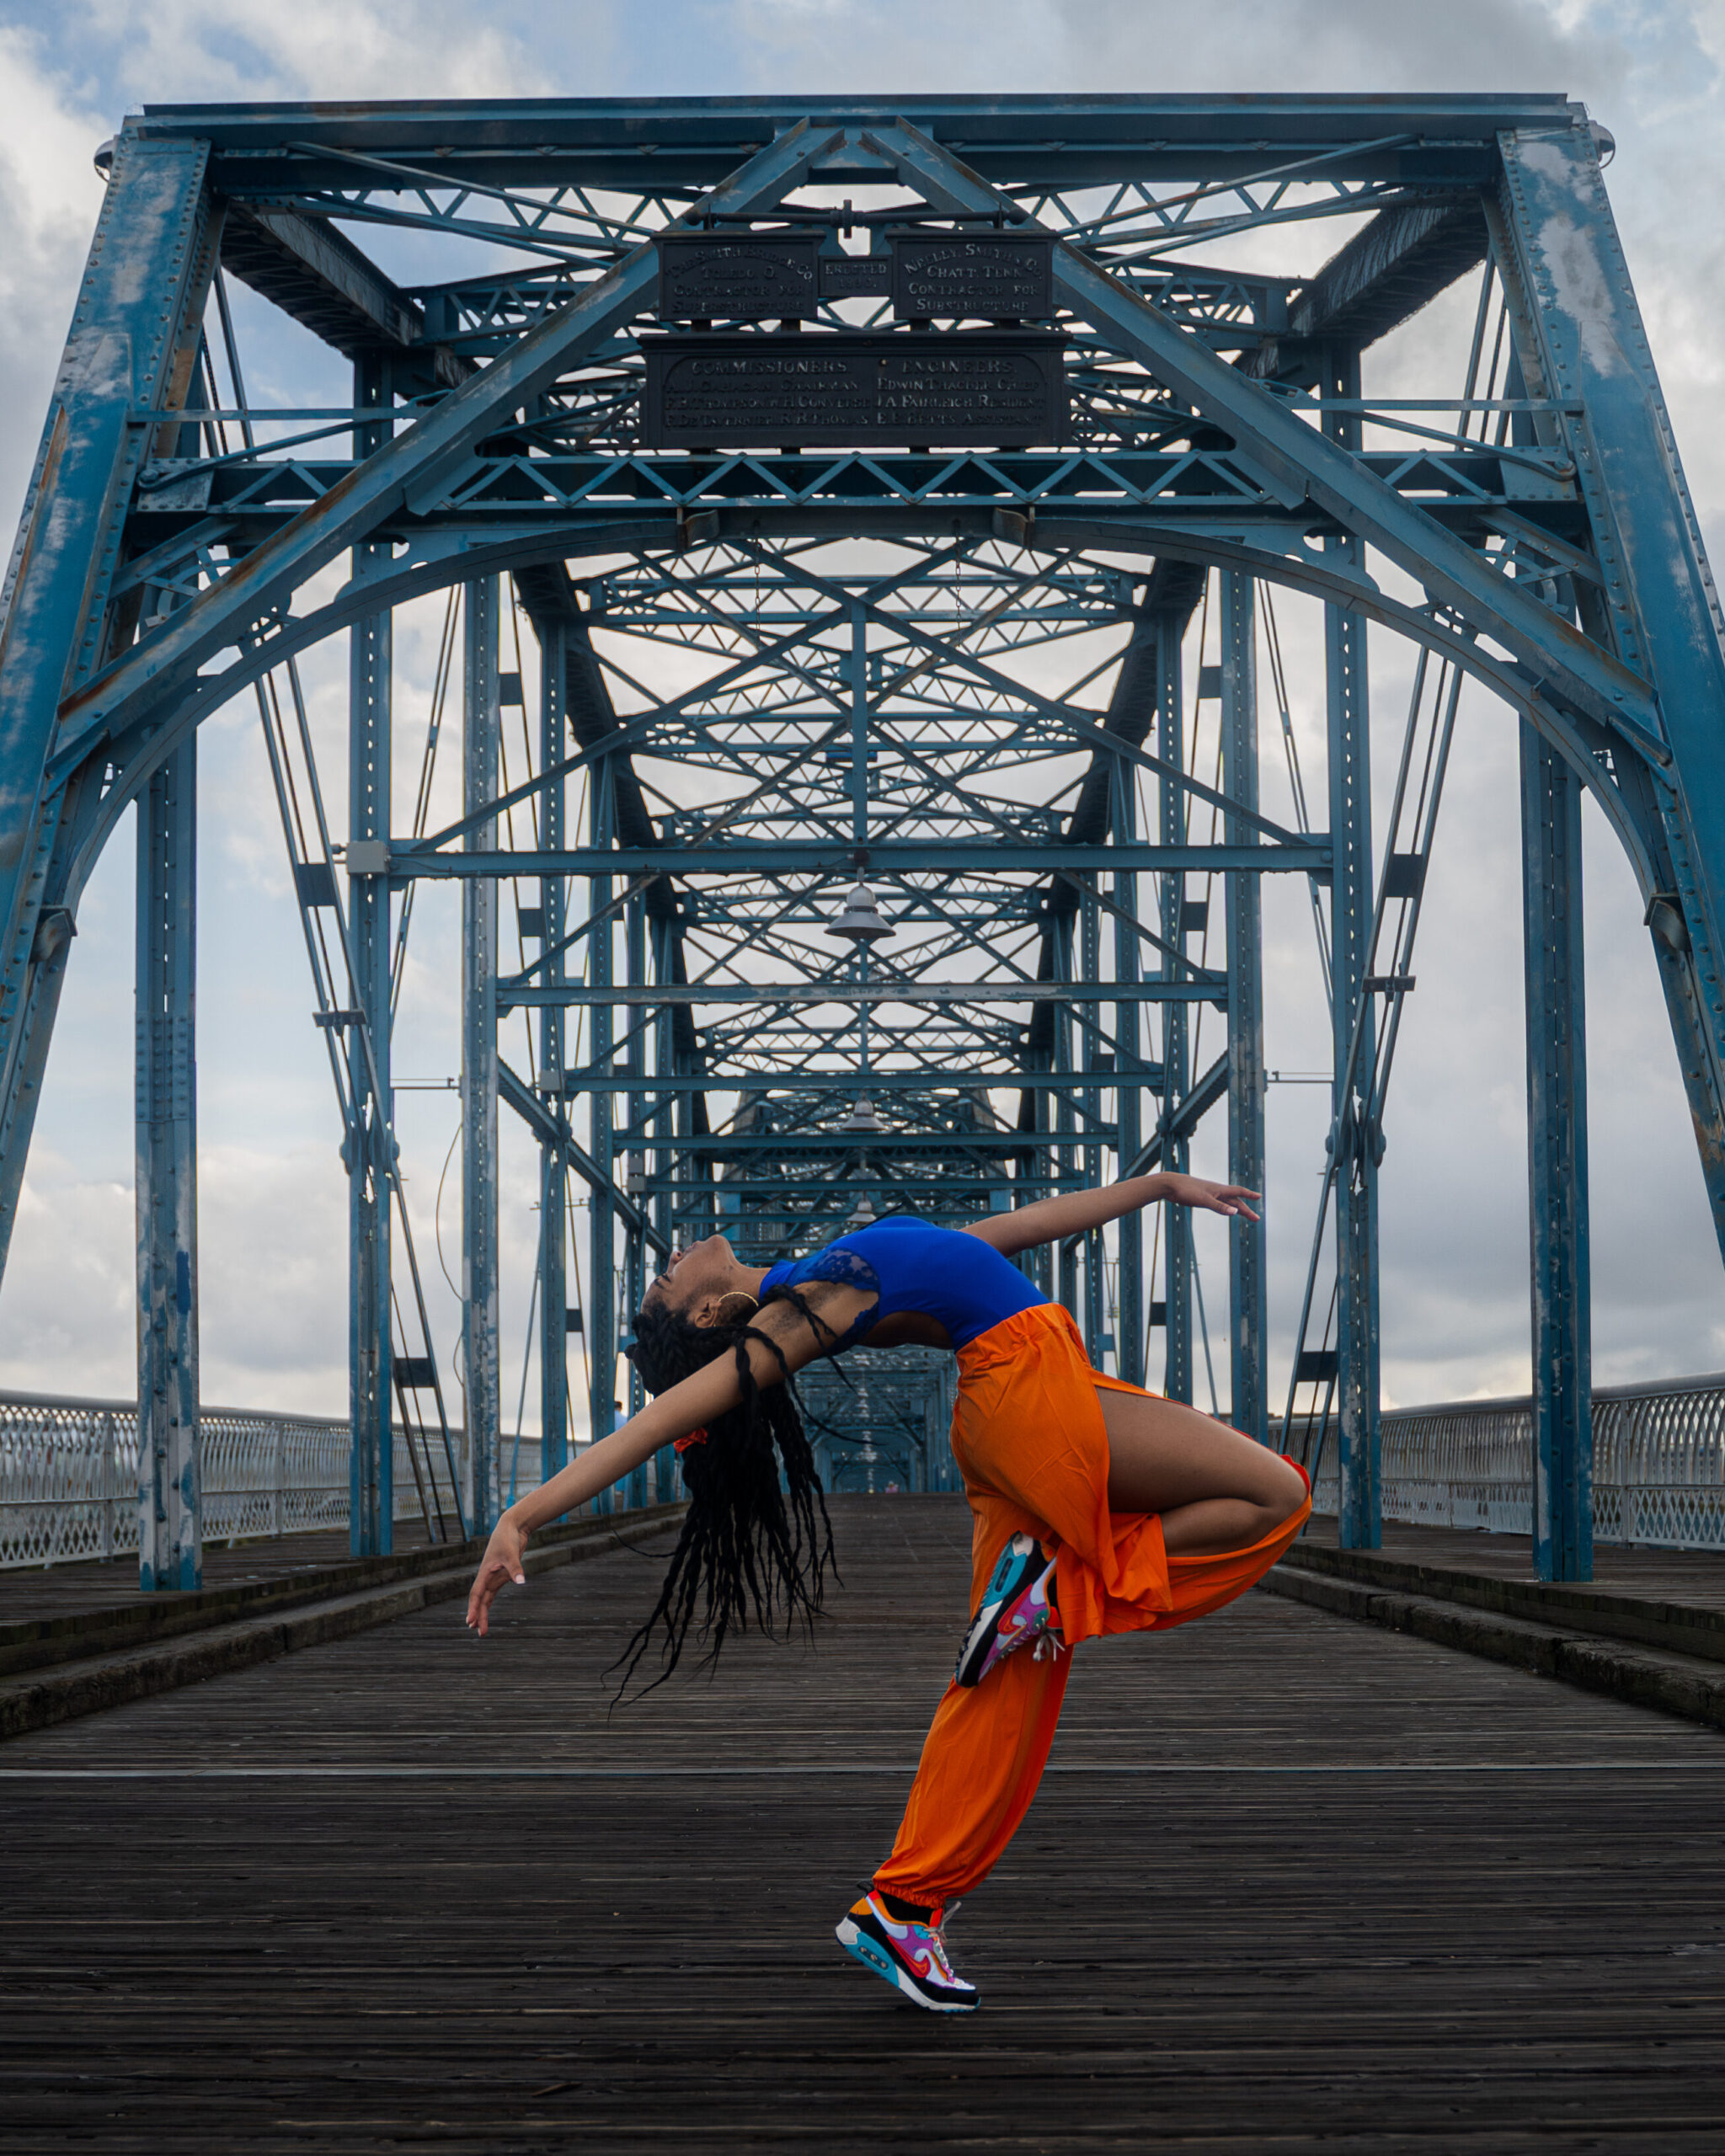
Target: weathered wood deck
point(1293, 1882)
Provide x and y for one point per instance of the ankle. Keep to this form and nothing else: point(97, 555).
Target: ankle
point(900, 1910)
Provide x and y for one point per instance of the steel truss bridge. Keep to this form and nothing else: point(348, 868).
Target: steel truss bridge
point(1013, 691)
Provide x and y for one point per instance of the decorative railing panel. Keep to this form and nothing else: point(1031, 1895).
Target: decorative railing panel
point(69, 1477)
point(1659, 1464)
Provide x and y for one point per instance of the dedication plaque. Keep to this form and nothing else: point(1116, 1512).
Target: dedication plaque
point(856, 276)
point(964, 389)
point(739, 277)
point(1001, 276)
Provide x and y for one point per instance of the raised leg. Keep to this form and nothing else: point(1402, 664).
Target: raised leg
point(1214, 1489)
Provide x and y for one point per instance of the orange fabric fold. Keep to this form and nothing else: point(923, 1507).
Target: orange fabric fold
point(1028, 1436)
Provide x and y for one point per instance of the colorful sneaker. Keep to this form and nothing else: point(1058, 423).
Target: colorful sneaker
point(1017, 1606)
point(909, 1952)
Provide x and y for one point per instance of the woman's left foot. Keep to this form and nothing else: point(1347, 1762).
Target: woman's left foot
point(1018, 1606)
point(910, 1952)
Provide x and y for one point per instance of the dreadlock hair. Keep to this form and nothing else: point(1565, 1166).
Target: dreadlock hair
point(748, 1550)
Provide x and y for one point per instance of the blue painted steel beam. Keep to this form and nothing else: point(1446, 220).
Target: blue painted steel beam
point(132, 343)
point(1353, 1044)
point(1033, 139)
point(1581, 335)
point(889, 857)
point(1248, 1322)
point(170, 1502)
point(1556, 1164)
point(482, 1372)
point(554, 1171)
point(369, 1140)
point(1175, 1149)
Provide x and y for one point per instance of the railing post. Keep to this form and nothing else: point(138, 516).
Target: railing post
point(1556, 1163)
point(278, 1476)
point(107, 1479)
point(170, 1500)
point(1248, 1408)
point(480, 732)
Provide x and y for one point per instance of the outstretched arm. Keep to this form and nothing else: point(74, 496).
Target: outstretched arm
point(1051, 1219)
point(681, 1408)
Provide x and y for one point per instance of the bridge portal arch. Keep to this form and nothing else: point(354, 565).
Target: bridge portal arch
point(956, 367)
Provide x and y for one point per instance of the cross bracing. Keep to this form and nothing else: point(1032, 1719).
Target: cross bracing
point(1014, 690)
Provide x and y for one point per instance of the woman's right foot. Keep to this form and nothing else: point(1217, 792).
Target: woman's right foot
point(1018, 1606)
point(910, 1952)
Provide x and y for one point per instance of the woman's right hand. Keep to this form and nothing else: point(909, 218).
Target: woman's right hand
point(501, 1563)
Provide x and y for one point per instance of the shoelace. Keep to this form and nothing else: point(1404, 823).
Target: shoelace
point(1048, 1648)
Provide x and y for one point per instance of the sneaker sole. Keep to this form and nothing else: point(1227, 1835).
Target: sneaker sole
point(861, 1948)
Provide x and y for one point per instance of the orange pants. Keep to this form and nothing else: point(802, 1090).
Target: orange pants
point(1029, 1439)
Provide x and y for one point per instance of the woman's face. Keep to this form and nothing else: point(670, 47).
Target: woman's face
point(694, 1276)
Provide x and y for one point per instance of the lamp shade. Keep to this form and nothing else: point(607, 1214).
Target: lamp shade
point(860, 922)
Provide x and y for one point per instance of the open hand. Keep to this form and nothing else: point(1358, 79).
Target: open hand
point(1228, 1198)
point(501, 1563)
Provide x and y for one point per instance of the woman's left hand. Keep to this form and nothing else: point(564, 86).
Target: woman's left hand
point(1227, 1198)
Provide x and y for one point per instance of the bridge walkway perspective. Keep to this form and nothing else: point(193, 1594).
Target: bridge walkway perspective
point(1291, 1881)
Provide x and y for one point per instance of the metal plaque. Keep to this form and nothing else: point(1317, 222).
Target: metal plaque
point(971, 388)
point(856, 276)
point(738, 276)
point(1000, 276)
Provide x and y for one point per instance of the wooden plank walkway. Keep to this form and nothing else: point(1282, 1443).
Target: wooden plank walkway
point(1294, 1882)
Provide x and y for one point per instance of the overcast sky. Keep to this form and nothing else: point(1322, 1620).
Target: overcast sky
point(273, 1197)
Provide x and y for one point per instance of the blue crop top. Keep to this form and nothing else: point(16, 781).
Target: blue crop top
point(961, 1282)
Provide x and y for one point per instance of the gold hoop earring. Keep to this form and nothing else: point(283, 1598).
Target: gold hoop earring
point(725, 1313)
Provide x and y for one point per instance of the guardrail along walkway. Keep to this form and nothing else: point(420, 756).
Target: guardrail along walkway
point(1290, 1882)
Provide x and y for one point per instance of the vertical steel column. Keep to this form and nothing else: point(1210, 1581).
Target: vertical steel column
point(602, 1268)
point(1360, 1525)
point(635, 1243)
point(1176, 1047)
point(664, 1158)
point(1090, 962)
point(1063, 1159)
point(1129, 1298)
point(1249, 1396)
point(170, 1498)
point(553, 1168)
point(371, 1458)
point(481, 726)
point(1556, 1163)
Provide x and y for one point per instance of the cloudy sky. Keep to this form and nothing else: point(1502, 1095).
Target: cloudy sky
point(273, 1197)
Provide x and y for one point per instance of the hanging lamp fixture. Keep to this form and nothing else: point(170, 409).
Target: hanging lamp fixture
point(861, 921)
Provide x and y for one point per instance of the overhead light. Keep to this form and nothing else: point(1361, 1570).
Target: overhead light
point(860, 922)
point(864, 1217)
point(862, 1116)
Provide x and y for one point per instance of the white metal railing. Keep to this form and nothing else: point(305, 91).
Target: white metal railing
point(69, 1477)
point(68, 1471)
point(1659, 1464)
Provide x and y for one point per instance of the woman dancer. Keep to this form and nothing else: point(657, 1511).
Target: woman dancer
point(1098, 1508)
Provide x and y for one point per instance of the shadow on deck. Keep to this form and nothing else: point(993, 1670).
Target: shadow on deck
point(1290, 1882)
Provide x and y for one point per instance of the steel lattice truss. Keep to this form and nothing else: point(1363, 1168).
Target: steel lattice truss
point(762, 674)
